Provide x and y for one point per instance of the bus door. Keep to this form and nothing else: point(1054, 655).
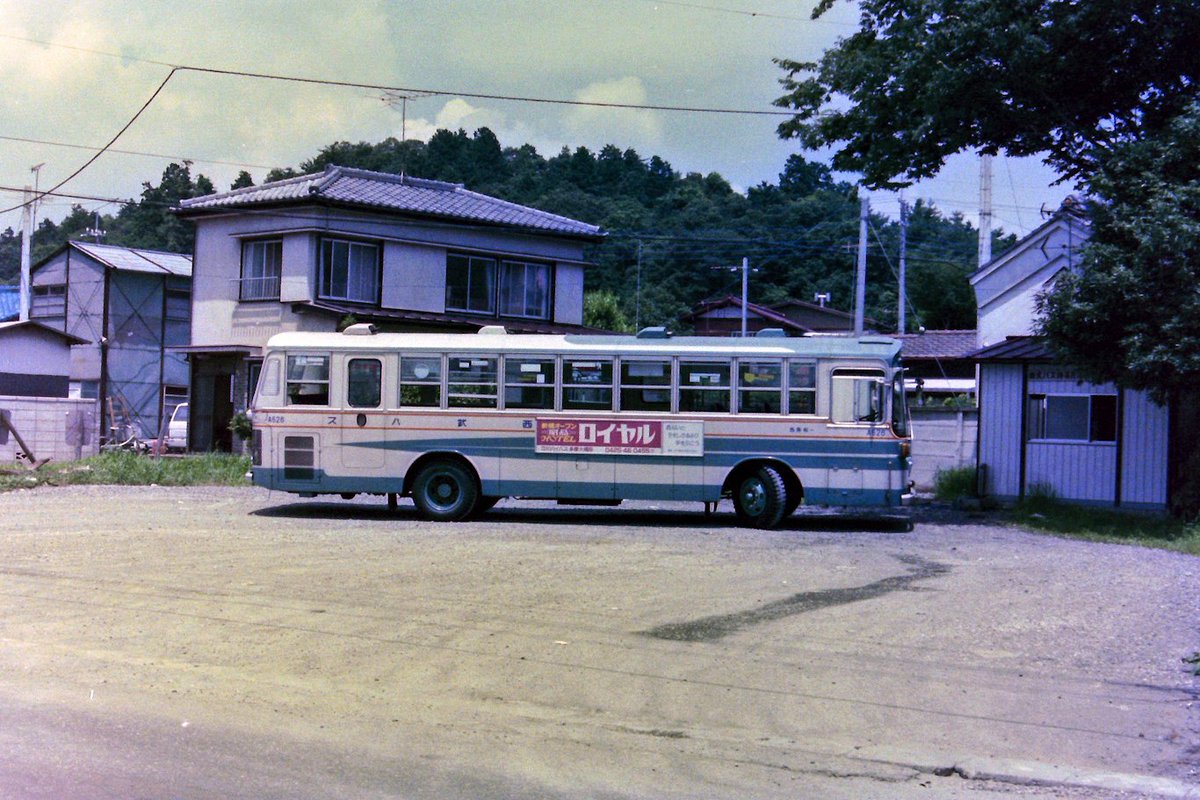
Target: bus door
point(529, 385)
point(856, 414)
point(362, 428)
point(582, 471)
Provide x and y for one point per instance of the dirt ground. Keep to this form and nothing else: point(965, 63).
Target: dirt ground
point(196, 643)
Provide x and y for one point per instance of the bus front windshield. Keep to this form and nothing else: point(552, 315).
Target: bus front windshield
point(899, 406)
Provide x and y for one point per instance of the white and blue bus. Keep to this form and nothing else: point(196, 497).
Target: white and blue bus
point(459, 421)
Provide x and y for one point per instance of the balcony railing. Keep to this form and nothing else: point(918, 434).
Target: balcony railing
point(263, 288)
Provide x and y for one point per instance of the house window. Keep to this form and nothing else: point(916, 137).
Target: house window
point(524, 290)
point(1072, 417)
point(261, 266)
point(48, 301)
point(349, 271)
point(483, 285)
point(470, 284)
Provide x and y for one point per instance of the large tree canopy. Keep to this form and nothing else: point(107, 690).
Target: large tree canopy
point(1132, 314)
point(924, 79)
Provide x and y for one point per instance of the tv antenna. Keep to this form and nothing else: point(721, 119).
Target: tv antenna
point(393, 97)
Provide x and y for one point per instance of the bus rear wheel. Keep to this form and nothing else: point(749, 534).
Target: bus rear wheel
point(445, 491)
point(760, 498)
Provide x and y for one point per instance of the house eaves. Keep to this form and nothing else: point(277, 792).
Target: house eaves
point(400, 195)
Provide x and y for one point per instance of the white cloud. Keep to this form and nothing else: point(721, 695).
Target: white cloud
point(622, 126)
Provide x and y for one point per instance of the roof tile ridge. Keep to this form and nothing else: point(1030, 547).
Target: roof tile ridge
point(244, 190)
point(511, 204)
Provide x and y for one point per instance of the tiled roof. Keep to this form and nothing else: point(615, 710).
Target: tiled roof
point(129, 259)
point(394, 193)
point(1015, 349)
point(764, 312)
point(938, 344)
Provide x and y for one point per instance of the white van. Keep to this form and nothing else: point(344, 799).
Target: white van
point(177, 429)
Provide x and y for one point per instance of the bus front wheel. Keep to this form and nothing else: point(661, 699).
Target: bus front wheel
point(445, 491)
point(760, 498)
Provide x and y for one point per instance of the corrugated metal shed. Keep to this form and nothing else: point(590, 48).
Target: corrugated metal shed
point(394, 193)
point(131, 259)
point(1015, 349)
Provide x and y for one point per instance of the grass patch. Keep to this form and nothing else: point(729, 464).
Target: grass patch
point(132, 469)
point(1051, 515)
point(954, 484)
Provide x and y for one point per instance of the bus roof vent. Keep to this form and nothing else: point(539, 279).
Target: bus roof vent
point(491, 330)
point(654, 333)
point(771, 333)
point(359, 329)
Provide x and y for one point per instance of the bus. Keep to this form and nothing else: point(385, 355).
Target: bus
point(458, 421)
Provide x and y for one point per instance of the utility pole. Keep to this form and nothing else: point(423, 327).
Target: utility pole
point(637, 298)
point(860, 289)
point(745, 291)
point(985, 209)
point(28, 212)
point(745, 268)
point(900, 321)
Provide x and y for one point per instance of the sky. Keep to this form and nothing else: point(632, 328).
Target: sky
point(73, 74)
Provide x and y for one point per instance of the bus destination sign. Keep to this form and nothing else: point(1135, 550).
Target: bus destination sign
point(634, 437)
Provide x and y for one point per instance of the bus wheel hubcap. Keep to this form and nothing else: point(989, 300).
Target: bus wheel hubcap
point(754, 499)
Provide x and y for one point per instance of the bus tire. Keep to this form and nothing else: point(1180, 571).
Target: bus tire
point(760, 498)
point(485, 504)
point(445, 491)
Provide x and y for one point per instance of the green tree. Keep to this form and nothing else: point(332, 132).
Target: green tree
point(149, 222)
point(925, 79)
point(1132, 313)
point(602, 309)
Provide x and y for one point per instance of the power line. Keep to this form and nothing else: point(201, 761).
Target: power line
point(134, 152)
point(379, 87)
point(102, 150)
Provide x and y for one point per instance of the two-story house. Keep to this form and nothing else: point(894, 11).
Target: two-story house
point(129, 307)
point(1041, 426)
point(308, 253)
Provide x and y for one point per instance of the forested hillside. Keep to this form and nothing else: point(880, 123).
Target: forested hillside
point(669, 233)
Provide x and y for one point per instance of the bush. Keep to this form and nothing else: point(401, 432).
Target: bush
point(133, 469)
point(954, 484)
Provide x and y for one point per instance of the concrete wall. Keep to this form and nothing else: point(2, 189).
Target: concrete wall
point(55, 428)
point(943, 438)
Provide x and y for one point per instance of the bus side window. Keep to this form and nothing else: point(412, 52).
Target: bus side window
point(472, 382)
point(646, 385)
point(308, 380)
point(704, 386)
point(364, 385)
point(528, 382)
point(760, 387)
point(421, 381)
point(587, 384)
point(802, 387)
point(856, 396)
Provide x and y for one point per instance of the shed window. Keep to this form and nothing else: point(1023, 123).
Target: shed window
point(1072, 417)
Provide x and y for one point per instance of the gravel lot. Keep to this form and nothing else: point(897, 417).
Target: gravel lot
point(195, 643)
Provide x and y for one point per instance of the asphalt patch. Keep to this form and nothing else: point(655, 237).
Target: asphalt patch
point(708, 629)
